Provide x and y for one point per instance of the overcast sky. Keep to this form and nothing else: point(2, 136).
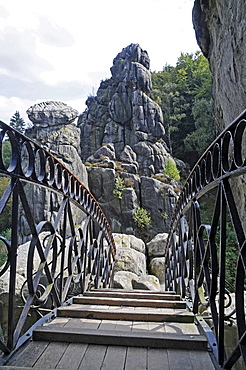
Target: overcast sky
point(61, 50)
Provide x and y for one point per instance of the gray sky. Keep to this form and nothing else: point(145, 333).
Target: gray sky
point(61, 50)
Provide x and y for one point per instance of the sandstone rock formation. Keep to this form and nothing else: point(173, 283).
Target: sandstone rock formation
point(54, 128)
point(123, 115)
point(130, 270)
point(221, 35)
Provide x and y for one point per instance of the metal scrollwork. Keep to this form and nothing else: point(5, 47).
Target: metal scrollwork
point(70, 250)
point(196, 250)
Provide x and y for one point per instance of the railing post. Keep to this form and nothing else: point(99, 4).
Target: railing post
point(13, 258)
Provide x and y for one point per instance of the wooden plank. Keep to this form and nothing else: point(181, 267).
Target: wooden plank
point(30, 354)
point(123, 325)
point(134, 291)
point(132, 294)
point(179, 359)
point(114, 358)
point(157, 359)
point(181, 328)
point(58, 321)
point(112, 301)
point(201, 358)
point(136, 358)
point(72, 356)
point(107, 325)
point(138, 326)
point(124, 314)
point(156, 327)
point(51, 356)
point(93, 358)
point(132, 338)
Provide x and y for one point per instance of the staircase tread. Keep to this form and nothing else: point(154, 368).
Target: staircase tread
point(118, 333)
point(130, 294)
point(129, 302)
point(142, 338)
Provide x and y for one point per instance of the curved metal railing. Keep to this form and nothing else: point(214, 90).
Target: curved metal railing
point(70, 249)
point(196, 250)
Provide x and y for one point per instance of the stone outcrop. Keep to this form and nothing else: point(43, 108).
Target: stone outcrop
point(124, 116)
point(130, 269)
point(54, 128)
point(221, 35)
point(154, 196)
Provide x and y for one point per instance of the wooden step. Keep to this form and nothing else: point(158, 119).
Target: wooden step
point(132, 294)
point(112, 301)
point(123, 313)
point(120, 338)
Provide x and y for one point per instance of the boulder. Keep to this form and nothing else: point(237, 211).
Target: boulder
point(128, 259)
point(157, 268)
point(148, 282)
point(123, 280)
point(157, 246)
point(129, 241)
point(51, 113)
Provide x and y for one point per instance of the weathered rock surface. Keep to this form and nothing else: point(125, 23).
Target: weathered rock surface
point(148, 282)
point(51, 113)
point(221, 35)
point(157, 246)
point(124, 115)
point(159, 200)
point(129, 241)
point(55, 130)
point(123, 280)
point(130, 254)
point(157, 268)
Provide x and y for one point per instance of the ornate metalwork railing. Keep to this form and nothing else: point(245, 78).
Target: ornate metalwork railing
point(197, 251)
point(69, 251)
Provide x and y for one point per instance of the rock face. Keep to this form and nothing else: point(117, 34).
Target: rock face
point(123, 115)
point(221, 35)
point(54, 129)
point(51, 113)
point(130, 269)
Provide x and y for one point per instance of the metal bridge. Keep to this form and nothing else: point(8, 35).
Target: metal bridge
point(70, 317)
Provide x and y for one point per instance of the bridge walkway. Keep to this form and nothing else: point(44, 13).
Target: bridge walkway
point(115, 330)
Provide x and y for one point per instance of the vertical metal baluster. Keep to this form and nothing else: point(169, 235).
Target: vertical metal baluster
point(13, 258)
point(222, 276)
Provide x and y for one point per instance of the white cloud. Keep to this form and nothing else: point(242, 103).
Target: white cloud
point(61, 49)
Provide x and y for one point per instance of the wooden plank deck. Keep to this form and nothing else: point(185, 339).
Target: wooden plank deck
point(116, 342)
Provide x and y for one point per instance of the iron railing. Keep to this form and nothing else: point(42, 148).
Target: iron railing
point(197, 250)
point(70, 250)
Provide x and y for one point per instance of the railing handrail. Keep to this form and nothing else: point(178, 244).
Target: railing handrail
point(194, 260)
point(90, 251)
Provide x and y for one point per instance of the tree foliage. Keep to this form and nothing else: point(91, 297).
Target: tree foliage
point(184, 94)
point(17, 122)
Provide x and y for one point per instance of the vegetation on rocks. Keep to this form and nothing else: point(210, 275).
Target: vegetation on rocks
point(184, 94)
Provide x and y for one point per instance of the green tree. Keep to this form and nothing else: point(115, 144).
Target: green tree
point(5, 217)
point(17, 122)
point(205, 132)
point(177, 89)
point(6, 153)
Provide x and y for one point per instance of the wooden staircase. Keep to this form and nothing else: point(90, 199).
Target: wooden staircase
point(103, 326)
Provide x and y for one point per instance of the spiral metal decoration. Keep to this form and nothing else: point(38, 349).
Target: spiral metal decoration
point(196, 251)
point(69, 252)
